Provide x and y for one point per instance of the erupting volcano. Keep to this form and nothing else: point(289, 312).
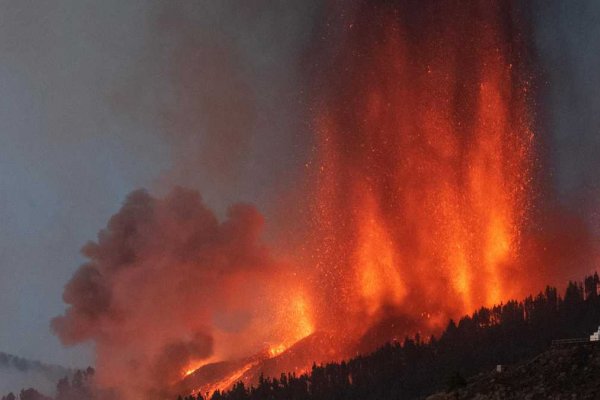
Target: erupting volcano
point(418, 194)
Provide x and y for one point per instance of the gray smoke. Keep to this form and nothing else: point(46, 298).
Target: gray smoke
point(163, 280)
point(223, 80)
point(17, 373)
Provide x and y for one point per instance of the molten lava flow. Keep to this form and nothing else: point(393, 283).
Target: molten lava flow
point(194, 366)
point(291, 320)
point(228, 381)
point(424, 161)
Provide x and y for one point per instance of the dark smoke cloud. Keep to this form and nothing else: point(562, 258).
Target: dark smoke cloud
point(181, 353)
point(165, 278)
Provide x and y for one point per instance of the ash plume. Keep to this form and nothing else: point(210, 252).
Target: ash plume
point(164, 278)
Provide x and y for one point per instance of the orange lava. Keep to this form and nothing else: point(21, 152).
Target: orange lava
point(423, 161)
point(193, 367)
point(276, 350)
point(227, 382)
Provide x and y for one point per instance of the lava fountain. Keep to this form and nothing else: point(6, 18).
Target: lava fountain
point(424, 159)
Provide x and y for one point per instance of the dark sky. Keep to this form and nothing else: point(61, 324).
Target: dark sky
point(102, 97)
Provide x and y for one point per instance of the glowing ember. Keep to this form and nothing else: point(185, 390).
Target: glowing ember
point(190, 371)
point(193, 367)
point(276, 350)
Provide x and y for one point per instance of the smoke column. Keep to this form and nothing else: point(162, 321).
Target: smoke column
point(168, 285)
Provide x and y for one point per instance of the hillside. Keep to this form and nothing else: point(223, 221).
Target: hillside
point(566, 372)
point(506, 334)
point(17, 373)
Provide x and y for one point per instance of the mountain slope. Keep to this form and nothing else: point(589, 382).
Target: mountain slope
point(17, 373)
point(570, 371)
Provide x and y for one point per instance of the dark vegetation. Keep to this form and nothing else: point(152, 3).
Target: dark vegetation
point(566, 371)
point(504, 334)
point(79, 387)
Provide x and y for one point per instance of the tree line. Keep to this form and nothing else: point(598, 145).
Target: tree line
point(79, 387)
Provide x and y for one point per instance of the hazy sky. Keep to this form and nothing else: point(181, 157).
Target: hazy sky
point(66, 158)
point(92, 107)
point(102, 97)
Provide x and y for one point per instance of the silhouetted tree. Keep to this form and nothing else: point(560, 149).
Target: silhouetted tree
point(32, 394)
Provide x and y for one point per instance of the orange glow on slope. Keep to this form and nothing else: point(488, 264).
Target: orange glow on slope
point(291, 321)
point(227, 382)
point(276, 350)
point(299, 320)
point(191, 368)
